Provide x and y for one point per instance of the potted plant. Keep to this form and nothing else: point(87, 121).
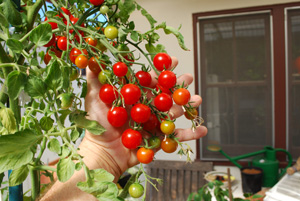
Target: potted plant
point(43, 52)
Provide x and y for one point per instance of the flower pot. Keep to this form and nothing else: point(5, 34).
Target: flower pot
point(251, 179)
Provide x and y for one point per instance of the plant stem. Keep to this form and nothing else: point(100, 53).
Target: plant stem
point(35, 183)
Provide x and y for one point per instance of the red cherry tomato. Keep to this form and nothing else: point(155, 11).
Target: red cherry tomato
point(145, 155)
point(163, 102)
point(47, 57)
point(181, 96)
point(161, 89)
point(167, 79)
point(108, 94)
point(131, 93)
point(66, 11)
point(117, 116)
point(75, 53)
point(51, 42)
point(162, 61)
point(62, 43)
point(120, 69)
point(169, 145)
point(53, 24)
point(151, 124)
point(81, 61)
point(96, 2)
point(131, 139)
point(90, 41)
point(94, 66)
point(144, 78)
point(140, 113)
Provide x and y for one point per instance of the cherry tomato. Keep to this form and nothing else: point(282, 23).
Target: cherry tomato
point(131, 139)
point(90, 41)
point(111, 32)
point(74, 74)
point(66, 100)
point(100, 46)
point(145, 155)
point(47, 57)
point(144, 78)
point(181, 96)
point(123, 49)
point(120, 69)
point(66, 11)
point(169, 145)
point(167, 79)
point(167, 127)
point(51, 42)
point(191, 113)
point(104, 9)
point(154, 142)
point(130, 58)
point(53, 24)
point(161, 89)
point(140, 113)
point(136, 190)
point(131, 93)
point(96, 2)
point(151, 124)
point(162, 61)
point(74, 53)
point(108, 94)
point(62, 43)
point(163, 102)
point(117, 116)
point(94, 66)
point(104, 76)
point(81, 61)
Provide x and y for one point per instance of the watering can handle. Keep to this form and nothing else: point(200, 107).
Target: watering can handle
point(289, 163)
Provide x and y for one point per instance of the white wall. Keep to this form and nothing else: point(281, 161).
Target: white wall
point(179, 12)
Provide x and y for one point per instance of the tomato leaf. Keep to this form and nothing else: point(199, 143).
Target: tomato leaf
point(150, 19)
point(8, 120)
point(16, 81)
point(4, 23)
point(126, 8)
point(2, 175)
point(35, 87)
point(179, 36)
point(12, 158)
point(11, 14)
point(15, 45)
point(65, 169)
point(46, 123)
point(134, 36)
point(95, 189)
point(18, 176)
point(110, 194)
point(54, 79)
point(84, 90)
point(54, 145)
point(102, 175)
point(65, 151)
point(41, 35)
point(82, 122)
point(74, 135)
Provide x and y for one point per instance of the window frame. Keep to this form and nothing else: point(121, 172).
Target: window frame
point(279, 72)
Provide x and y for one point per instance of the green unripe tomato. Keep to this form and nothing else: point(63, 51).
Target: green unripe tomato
point(104, 76)
point(136, 190)
point(111, 32)
point(123, 48)
point(154, 142)
point(104, 9)
point(74, 74)
point(66, 100)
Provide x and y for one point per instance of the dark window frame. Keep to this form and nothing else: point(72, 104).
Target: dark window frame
point(279, 67)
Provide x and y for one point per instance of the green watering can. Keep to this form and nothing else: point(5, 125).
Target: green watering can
point(265, 159)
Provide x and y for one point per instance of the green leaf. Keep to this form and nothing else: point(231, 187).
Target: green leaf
point(110, 194)
point(150, 19)
point(8, 120)
point(95, 189)
point(2, 175)
point(15, 83)
point(91, 125)
point(18, 176)
point(15, 150)
point(41, 35)
point(134, 36)
point(54, 80)
point(54, 145)
point(11, 14)
point(65, 151)
point(78, 166)
point(102, 175)
point(126, 8)
point(84, 90)
point(35, 87)
point(66, 71)
point(65, 169)
point(15, 45)
point(179, 36)
point(4, 23)
point(64, 114)
point(74, 135)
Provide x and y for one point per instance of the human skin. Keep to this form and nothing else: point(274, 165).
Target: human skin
point(107, 151)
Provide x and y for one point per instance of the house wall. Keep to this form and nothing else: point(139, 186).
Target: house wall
point(176, 13)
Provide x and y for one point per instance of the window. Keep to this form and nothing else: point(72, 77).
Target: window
point(251, 95)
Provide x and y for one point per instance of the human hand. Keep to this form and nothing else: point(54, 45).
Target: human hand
point(107, 149)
